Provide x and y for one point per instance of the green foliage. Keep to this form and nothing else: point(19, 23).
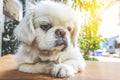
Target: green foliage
point(9, 43)
point(87, 57)
point(89, 44)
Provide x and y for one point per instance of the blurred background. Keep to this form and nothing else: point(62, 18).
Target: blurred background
point(99, 38)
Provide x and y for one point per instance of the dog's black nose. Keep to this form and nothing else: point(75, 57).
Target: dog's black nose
point(60, 32)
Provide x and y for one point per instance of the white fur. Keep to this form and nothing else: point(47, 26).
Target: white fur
point(30, 59)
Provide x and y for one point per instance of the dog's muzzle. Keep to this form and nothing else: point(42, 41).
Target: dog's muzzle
point(61, 39)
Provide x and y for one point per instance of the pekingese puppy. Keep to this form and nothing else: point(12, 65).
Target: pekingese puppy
point(49, 33)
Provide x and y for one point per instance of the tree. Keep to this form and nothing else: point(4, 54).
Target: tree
point(89, 38)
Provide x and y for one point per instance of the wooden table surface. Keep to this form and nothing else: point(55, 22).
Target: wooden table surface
point(95, 70)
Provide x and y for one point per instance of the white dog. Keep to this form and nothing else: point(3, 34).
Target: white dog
point(49, 34)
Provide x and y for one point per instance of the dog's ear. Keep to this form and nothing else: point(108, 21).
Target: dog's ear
point(25, 30)
point(78, 23)
point(74, 35)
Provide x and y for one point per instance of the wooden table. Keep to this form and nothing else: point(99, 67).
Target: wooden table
point(95, 70)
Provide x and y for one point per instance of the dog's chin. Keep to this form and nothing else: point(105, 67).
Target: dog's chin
point(53, 51)
point(61, 46)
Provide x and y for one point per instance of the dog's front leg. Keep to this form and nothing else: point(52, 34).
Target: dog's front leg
point(36, 67)
point(68, 68)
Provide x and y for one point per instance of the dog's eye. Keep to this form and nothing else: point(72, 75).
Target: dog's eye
point(69, 28)
point(45, 26)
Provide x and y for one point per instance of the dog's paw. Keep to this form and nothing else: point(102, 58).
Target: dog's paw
point(62, 70)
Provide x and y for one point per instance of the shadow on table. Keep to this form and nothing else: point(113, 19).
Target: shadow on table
point(16, 75)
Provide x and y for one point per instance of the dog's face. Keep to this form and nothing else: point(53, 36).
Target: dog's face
point(50, 26)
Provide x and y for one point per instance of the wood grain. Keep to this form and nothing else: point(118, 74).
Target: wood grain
point(95, 70)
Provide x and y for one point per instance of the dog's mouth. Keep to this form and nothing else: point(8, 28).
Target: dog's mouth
point(61, 42)
point(60, 45)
